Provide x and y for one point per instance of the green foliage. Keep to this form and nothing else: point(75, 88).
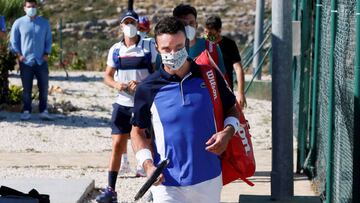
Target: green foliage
point(54, 57)
point(77, 63)
point(15, 94)
point(11, 9)
point(7, 63)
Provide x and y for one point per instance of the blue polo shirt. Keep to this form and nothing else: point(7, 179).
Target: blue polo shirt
point(182, 115)
point(31, 38)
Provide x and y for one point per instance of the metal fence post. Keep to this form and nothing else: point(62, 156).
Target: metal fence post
point(259, 30)
point(282, 186)
point(356, 152)
point(331, 113)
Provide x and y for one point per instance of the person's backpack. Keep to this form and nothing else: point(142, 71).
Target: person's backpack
point(238, 161)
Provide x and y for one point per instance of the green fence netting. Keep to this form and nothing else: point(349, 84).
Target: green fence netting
point(344, 55)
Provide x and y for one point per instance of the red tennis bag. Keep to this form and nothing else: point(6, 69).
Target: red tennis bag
point(238, 161)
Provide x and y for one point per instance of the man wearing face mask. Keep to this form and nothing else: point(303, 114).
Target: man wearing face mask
point(230, 53)
point(132, 58)
point(31, 41)
point(176, 102)
point(188, 15)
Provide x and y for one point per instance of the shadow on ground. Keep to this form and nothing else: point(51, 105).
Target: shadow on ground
point(59, 120)
point(77, 78)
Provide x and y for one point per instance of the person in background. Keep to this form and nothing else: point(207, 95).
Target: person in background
point(31, 40)
point(230, 53)
point(2, 27)
point(144, 26)
point(188, 15)
point(173, 100)
point(133, 59)
point(143, 30)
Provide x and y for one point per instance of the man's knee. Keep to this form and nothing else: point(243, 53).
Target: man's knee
point(119, 141)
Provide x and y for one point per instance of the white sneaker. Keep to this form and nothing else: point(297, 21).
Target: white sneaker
point(25, 116)
point(124, 168)
point(45, 116)
point(140, 172)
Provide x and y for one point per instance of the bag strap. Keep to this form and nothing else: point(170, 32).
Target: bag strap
point(209, 76)
point(212, 48)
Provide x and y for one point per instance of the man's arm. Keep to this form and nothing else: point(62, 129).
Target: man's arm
point(48, 40)
point(109, 79)
point(240, 77)
point(15, 41)
point(218, 142)
point(142, 149)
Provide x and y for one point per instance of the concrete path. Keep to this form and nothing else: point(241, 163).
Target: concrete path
point(230, 193)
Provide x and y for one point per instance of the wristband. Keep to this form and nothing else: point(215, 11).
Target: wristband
point(234, 122)
point(143, 155)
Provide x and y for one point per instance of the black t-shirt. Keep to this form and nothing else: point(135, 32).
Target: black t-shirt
point(231, 55)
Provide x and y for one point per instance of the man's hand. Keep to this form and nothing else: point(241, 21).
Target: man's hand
point(149, 170)
point(218, 142)
point(132, 84)
point(121, 86)
point(242, 100)
point(21, 58)
point(46, 58)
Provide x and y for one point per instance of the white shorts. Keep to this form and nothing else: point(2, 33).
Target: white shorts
point(208, 191)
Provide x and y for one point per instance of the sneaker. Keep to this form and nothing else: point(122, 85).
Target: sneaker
point(107, 196)
point(25, 116)
point(124, 168)
point(140, 172)
point(46, 116)
point(149, 198)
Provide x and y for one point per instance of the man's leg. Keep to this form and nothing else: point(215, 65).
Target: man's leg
point(42, 76)
point(120, 129)
point(27, 76)
point(119, 142)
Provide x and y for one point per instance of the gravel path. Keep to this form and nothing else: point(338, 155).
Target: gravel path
point(86, 130)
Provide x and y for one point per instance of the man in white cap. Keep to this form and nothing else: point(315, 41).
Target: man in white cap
point(132, 58)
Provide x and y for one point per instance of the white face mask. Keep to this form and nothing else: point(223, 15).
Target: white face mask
point(130, 30)
point(31, 12)
point(190, 32)
point(175, 60)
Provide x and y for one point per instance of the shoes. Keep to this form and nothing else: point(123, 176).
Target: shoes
point(25, 116)
point(124, 168)
point(46, 116)
point(149, 198)
point(140, 172)
point(107, 196)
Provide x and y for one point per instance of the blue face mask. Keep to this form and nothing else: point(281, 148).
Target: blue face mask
point(31, 12)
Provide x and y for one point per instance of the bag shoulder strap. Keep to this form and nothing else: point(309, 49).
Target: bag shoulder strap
point(212, 48)
point(209, 76)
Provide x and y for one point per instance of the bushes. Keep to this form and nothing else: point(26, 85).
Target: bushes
point(15, 93)
point(7, 63)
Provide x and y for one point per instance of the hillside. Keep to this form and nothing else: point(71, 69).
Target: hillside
point(90, 27)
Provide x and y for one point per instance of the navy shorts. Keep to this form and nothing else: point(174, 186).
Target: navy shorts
point(120, 119)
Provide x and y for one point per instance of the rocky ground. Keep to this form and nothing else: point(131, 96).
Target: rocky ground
point(81, 127)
